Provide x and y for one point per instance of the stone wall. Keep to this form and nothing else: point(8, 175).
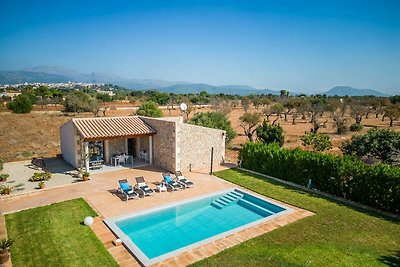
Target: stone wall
point(181, 146)
point(117, 146)
point(164, 142)
point(194, 146)
point(144, 143)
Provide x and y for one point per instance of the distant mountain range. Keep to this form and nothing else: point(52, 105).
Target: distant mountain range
point(350, 91)
point(48, 74)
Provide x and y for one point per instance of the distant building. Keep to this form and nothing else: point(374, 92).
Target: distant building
point(106, 92)
point(13, 94)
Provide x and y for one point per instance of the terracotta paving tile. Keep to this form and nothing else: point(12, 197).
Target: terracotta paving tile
point(234, 239)
point(183, 261)
point(172, 262)
point(199, 253)
point(212, 248)
point(193, 256)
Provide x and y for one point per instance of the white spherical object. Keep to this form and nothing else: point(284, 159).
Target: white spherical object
point(183, 106)
point(88, 221)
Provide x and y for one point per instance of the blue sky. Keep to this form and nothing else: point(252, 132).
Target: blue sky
point(298, 45)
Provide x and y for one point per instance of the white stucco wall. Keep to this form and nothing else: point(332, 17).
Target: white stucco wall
point(68, 140)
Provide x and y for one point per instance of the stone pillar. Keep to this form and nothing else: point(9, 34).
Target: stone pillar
point(150, 149)
point(106, 152)
point(86, 157)
point(137, 142)
point(126, 146)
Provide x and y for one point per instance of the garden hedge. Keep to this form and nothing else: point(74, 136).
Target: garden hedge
point(376, 186)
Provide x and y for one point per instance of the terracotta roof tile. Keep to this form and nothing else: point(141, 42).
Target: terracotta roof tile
point(112, 127)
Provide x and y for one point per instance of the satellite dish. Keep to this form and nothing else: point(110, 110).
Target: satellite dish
point(183, 106)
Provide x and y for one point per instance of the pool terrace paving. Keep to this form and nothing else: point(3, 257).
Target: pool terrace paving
point(100, 193)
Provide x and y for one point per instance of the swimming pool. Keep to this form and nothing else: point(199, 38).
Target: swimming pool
point(157, 234)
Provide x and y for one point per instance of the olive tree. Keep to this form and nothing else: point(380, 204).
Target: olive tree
point(149, 109)
point(249, 122)
point(393, 113)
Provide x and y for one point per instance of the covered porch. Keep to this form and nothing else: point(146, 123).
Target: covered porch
point(107, 144)
point(116, 154)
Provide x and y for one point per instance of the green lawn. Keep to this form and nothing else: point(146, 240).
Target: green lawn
point(336, 235)
point(54, 236)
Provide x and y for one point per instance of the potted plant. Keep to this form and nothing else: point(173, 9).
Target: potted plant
point(80, 173)
point(3, 177)
point(5, 245)
point(41, 184)
point(5, 190)
point(85, 176)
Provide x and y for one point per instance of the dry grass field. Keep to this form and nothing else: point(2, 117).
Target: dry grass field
point(37, 134)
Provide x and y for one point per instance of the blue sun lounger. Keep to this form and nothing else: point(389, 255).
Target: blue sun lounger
point(171, 183)
point(126, 189)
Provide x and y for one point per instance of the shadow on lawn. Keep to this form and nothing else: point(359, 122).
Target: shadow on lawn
point(310, 194)
point(391, 260)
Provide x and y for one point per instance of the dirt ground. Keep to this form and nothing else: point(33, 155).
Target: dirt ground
point(37, 134)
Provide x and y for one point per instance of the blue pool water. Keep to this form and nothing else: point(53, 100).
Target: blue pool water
point(162, 231)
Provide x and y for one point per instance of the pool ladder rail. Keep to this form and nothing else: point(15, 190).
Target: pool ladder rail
point(227, 200)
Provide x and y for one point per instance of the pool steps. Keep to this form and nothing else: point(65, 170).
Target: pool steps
point(227, 199)
point(257, 208)
point(234, 197)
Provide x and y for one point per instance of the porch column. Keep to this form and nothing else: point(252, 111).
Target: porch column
point(86, 155)
point(106, 152)
point(150, 149)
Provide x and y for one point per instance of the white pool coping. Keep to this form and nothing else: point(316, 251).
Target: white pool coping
point(145, 261)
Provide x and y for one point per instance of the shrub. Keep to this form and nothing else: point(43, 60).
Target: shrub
point(356, 127)
point(4, 176)
point(149, 109)
point(268, 134)
point(21, 104)
point(5, 190)
point(377, 186)
point(340, 125)
point(318, 141)
point(41, 184)
point(5, 245)
point(77, 102)
point(215, 120)
point(376, 143)
point(1, 164)
point(40, 176)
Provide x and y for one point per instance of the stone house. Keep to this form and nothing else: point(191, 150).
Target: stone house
point(165, 142)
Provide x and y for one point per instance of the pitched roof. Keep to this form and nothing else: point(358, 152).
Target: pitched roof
point(112, 127)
